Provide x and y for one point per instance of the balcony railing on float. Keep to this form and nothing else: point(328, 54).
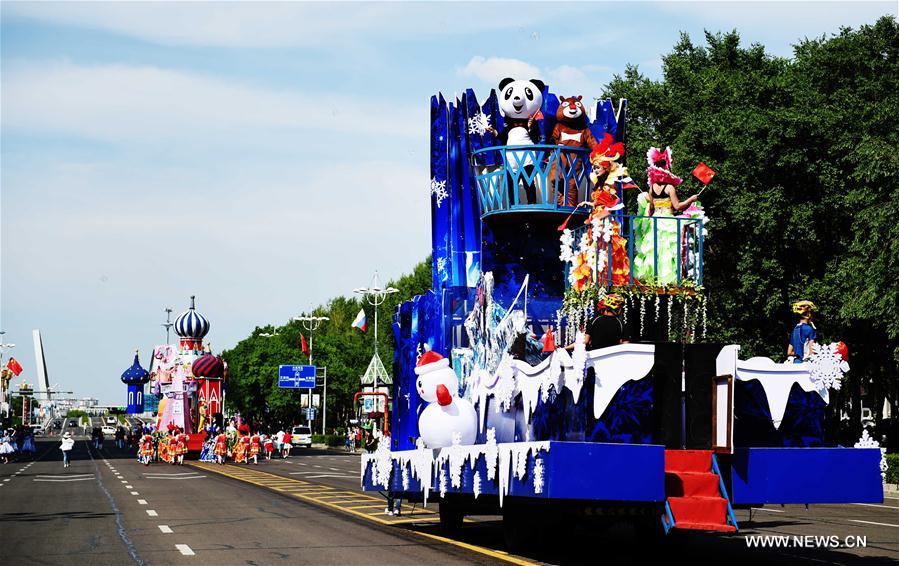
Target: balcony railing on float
point(670, 249)
point(550, 169)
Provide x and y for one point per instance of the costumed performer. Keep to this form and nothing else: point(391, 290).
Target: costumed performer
point(268, 446)
point(804, 335)
point(255, 447)
point(181, 440)
point(571, 130)
point(651, 262)
point(608, 177)
point(221, 447)
point(240, 449)
point(146, 449)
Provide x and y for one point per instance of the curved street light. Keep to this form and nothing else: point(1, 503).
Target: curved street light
point(311, 324)
point(375, 295)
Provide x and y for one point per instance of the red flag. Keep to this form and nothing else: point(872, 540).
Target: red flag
point(704, 173)
point(303, 345)
point(14, 366)
point(549, 341)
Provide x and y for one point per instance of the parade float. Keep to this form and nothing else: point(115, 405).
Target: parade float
point(670, 429)
point(188, 382)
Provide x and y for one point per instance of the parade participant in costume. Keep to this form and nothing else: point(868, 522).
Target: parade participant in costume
point(221, 447)
point(255, 447)
point(240, 449)
point(28, 443)
point(285, 445)
point(661, 201)
point(146, 449)
point(520, 102)
point(608, 177)
point(804, 335)
point(6, 447)
point(570, 131)
point(181, 446)
point(268, 446)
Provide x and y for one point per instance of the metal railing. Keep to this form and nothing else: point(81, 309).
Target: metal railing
point(661, 251)
point(530, 177)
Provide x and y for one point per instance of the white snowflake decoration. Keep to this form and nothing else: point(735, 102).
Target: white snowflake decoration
point(476, 484)
point(405, 478)
point(443, 483)
point(827, 367)
point(438, 189)
point(456, 460)
point(567, 252)
point(521, 464)
point(381, 462)
point(504, 390)
point(538, 475)
point(478, 124)
point(867, 442)
point(441, 263)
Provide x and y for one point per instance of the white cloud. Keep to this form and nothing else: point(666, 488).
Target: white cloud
point(120, 102)
point(493, 69)
point(281, 24)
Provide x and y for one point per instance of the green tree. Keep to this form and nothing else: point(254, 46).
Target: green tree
point(805, 201)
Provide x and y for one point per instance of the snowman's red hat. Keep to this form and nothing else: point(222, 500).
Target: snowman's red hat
point(430, 361)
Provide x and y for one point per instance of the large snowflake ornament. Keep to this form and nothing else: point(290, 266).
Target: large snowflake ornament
point(438, 189)
point(478, 124)
point(441, 263)
point(867, 442)
point(827, 367)
point(476, 484)
point(538, 475)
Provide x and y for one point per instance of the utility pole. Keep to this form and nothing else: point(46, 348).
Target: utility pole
point(167, 324)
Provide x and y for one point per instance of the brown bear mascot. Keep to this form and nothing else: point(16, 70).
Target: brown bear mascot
point(571, 131)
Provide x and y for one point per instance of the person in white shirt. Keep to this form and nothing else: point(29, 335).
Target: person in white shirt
point(66, 445)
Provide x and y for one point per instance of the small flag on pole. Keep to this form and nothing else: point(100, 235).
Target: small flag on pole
point(704, 173)
point(14, 366)
point(360, 321)
point(303, 345)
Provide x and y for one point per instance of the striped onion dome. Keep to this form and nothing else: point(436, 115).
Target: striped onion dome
point(208, 366)
point(191, 324)
point(135, 374)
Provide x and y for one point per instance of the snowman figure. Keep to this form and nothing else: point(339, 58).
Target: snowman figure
point(446, 413)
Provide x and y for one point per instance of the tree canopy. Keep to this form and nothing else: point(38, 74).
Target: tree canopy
point(806, 200)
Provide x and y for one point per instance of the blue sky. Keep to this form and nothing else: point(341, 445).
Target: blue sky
point(266, 157)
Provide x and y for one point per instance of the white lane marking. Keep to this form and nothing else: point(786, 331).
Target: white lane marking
point(124, 481)
point(181, 478)
point(128, 487)
point(142, 501)
point(331, 476)
point(768, 510)
point(335, 469)
point(7, 479)
point(875, 505)
point(873, 523)
point(184, 549)
point(68, 480)
point(134, 493)
point(152, 513)
point(166, 529)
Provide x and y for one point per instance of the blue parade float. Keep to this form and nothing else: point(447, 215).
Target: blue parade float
point(668, 428)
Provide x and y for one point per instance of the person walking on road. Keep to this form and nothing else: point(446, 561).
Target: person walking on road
point(285, 445)
point(6, 447)
point(66, 445)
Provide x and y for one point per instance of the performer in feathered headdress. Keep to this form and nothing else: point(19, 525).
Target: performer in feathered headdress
point(608, 177)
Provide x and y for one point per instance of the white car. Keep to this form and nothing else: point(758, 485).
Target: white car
point(301, 436)
point(108, 430)
point(111, 421)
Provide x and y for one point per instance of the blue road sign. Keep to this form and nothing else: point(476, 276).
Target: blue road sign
point(310, 413)
point(296, 377)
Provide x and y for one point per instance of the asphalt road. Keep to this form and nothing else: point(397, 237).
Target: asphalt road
point(108, 509)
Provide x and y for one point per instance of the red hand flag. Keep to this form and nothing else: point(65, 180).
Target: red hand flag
point(549, 341)
point(14, 366)
point(704, 173)
point(303, 345)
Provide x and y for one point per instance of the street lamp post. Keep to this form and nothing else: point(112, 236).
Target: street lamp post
point(4, 389)
point(167, 324)
point(311, 324)
point(375, 296)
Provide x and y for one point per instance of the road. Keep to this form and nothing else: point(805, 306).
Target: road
point(108, 509)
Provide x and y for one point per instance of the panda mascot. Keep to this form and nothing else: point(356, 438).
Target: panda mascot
point(520, 101)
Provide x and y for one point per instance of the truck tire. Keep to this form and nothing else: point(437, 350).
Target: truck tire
point(451, 519)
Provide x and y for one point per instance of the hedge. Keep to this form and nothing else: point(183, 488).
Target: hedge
point(892, 469)
point(329, 439)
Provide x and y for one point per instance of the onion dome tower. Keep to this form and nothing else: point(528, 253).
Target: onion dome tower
point(191, 327)
point(209, 372)
point(135, 377)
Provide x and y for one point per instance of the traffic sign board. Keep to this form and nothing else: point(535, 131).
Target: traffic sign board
point(296, 377)
point(310, 413)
